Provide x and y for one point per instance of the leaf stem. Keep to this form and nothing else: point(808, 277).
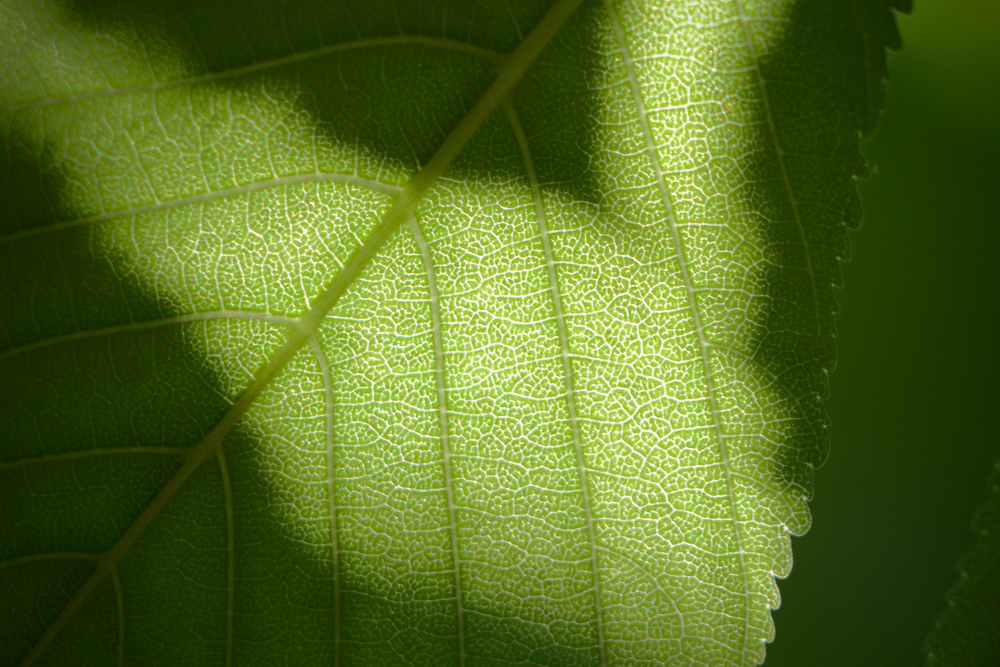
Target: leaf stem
point(511, 69)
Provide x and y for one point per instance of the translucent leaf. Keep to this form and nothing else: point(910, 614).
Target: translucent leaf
point(544, 391)
point(968, 632)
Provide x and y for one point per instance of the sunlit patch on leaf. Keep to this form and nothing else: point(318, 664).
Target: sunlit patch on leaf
point(567, 414)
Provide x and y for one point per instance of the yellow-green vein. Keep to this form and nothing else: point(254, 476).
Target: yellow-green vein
point(513, 68)
point(446, 453)
point(689, 288)
point(567, 369)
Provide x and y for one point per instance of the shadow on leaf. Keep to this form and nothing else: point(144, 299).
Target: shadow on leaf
point(805, 168)
point(106, 379)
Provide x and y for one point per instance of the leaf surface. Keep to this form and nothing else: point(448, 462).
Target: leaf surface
point(565, 407)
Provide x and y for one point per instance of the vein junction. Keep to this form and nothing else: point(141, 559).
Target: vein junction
point(509, 74)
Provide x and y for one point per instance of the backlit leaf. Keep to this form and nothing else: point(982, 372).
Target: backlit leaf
point(566, 414)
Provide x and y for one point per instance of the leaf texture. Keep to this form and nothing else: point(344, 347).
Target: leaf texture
point(567, 413)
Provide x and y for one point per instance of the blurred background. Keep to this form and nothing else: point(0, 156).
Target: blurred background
point(915, 399)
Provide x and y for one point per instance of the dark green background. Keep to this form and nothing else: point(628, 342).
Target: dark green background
point(915, 398)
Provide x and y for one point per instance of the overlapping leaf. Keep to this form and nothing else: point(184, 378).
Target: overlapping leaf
point(567, 414)
point(966, 632)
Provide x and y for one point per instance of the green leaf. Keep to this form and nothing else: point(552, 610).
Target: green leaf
point(967, 632)
point(302, 365)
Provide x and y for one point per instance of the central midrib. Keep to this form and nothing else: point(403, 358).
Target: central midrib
point(509, 74)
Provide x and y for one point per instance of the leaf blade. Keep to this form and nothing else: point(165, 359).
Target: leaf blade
point(562, 426)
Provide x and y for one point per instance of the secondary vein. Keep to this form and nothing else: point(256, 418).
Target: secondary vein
point(567, 369)
point(509, 74)
point(699, 327)
point(446, 452)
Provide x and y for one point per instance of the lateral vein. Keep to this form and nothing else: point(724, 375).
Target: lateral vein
point(446, 453)
point(222, 75)
point(704, 345)
point(512, 68)
point(567, 369)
